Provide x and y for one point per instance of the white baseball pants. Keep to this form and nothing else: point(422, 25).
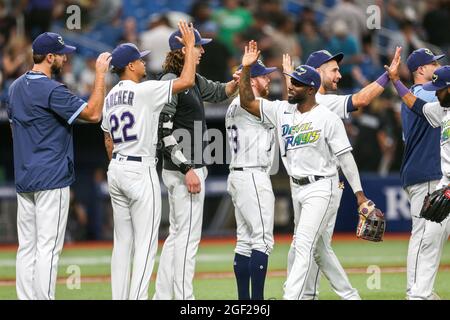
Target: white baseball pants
point(325, 256)
point(177, 262)
point(428, 245)
point(41, 226)
point(136, 201)
point(254, 203)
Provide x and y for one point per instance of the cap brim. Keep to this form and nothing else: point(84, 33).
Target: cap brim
point(267, 71)
point(144, 53)
point(204, 41)
point(299, 80)
point(436, 58)
point(66, 49)
point(430, 86)
point(337, 57)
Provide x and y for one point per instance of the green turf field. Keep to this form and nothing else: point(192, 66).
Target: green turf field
point(214, 278)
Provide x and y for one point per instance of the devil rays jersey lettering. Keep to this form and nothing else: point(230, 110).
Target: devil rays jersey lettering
point(309, 142)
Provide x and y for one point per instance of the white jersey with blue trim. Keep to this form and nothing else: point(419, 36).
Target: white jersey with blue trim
point(438, 116)
point(310, 141)
point(131, 115)
point(251, 142)
point(335, 103)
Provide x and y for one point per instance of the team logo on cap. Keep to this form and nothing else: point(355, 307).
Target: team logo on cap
point(326, 52)
point(434, 78)
point(428, 51)
point(260, 63)
point(300, 71)
point(60, 40)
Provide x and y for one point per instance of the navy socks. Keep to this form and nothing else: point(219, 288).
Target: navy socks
point(242, 273)
point(258, 270)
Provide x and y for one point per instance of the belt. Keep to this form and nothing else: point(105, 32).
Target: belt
point(306, 180)
point(129, 158)
point(248, 168)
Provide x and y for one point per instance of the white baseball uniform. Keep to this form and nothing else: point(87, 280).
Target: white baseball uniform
point(309, 143)
point(131, 115)
point(338, 105)
point(435, 235)
point(252, 145)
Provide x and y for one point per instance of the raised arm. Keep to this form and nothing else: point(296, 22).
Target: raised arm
point(187, 77)
point(288, 67)
point(367, 94)
point(248, 101)
point(408, 98)
point(93, 111)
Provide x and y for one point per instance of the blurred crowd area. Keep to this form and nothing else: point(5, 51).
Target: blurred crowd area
point(294, 27)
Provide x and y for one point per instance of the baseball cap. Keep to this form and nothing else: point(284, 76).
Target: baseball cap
point(421, 57)
point(125, 53)
point(49, 42)
point(318, 58)
point(440, 79)
point(259, 69)
point(306, 75)
point(174, 44)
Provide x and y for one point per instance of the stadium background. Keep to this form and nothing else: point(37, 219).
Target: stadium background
point(294, 27)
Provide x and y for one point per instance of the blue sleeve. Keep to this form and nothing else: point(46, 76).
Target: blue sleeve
point(350, 106)
point(418, 106)
point(67, 105)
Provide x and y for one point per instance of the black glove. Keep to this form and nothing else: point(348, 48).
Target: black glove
point(436, 207)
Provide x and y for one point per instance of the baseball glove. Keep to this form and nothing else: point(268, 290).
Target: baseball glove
point(436, 207)
point(371, 224)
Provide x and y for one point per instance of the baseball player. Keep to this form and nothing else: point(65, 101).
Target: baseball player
point(421, 167)
point(252, 146)
point(184, 170)
point(130, 122)
point(310, 136)
point(434, 235)
point(328, 67)
point(41, 112)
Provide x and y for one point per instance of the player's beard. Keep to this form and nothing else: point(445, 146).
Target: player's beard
point(297, 99)
point(445, 103)
point(55, 69)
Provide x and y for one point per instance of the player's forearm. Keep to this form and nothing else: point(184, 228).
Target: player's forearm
point(109, 146)
point(247, 97)
point(93, 110)
point(408, 98)
point(367, 94)
point(231, 89)
point(187, 76)
point(350, 170)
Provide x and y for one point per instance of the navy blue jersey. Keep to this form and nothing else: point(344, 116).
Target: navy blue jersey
point(422, 156)
point(41, 112)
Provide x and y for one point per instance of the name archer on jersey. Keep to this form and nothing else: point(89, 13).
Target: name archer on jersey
point(120, 97)
point(299, 135)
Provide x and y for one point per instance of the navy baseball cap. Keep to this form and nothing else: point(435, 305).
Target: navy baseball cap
point(421, 57)
point(318, 58)
point(125, 53)
point(259, 69)
point(174, 44)
point(306, 75)
point(440, 79)
point(50, 42)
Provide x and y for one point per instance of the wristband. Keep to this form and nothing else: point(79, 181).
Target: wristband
point(401, 89)
point(383, 79)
